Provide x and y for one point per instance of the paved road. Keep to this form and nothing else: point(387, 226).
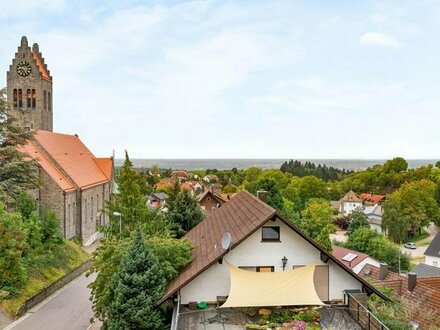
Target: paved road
point(70, 309)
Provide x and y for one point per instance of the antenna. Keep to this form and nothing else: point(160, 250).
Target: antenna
point(226, 241)
point(367, 270)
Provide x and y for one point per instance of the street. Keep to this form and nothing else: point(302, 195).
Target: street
point(69, 309)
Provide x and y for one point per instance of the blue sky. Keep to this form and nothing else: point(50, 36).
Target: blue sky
point(239, 79)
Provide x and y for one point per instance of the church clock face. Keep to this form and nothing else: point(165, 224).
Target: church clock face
point(24, 69)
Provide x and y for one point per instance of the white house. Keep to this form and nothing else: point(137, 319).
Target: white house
point(262, 240)
point(432, 253)
point(374, 215)
point(354, 260)
point(349, 203)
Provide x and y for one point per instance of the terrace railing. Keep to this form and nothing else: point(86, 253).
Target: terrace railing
point(361, 314)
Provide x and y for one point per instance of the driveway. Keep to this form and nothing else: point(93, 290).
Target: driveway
point(68, 309)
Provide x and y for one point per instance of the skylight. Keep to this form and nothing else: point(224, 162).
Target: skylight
point(349, 257)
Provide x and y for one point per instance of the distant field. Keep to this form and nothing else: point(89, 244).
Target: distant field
point(224, 164)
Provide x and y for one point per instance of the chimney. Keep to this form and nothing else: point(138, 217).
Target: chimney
point(412, 281)
point(261, 195)
point(383, 271)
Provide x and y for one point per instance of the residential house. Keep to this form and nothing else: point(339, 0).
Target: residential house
point(181, 175)
point(422, 294)
point(374, 215)
point(165, 183)
point(193, 187)
point(372, 199)
point(432, 253)
point(73, 183)
point(349, 203)
point(210, 201)
point(157, 200)
point(248, 234)
point(211, 178)
point(354, 260)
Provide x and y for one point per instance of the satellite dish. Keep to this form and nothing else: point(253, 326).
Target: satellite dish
point(226, 241)
point(367, 270)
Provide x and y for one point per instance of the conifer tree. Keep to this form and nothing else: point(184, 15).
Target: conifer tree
point(17, 173)
point(137, 287)
point(186, 212)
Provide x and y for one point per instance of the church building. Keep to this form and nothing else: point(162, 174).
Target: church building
point(73, 182)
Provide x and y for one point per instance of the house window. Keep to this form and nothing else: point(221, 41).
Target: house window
point(34, 99)
point(15, 98)
point(20, 98)
point(270, 234)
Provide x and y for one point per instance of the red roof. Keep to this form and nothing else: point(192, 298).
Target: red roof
point(42, 68)
point(371, 199)
point(340, 252)
point(66, 157)
point(35, 153)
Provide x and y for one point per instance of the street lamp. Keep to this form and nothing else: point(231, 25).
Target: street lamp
point(284, 261)
point(119, 215)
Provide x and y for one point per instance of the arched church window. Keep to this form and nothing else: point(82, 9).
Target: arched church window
point(15, 98)
point(28, 97)
point(34, 99)
point(20, 98)
point(45, 100)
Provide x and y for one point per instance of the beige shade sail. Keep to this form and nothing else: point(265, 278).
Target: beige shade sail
point(289, 288)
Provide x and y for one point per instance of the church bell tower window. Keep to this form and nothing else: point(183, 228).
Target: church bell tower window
point(44, 100)
point(20, 98)
point(28, 97)
point(15, 98)
point(34, 99)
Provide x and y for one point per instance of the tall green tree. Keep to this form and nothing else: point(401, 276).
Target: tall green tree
point(136, 288)
point(17, 172)
point(413, 206)
point(273, 197)
point(357, 219)
point(317, 223)
point(129, 201)
point(186, 213)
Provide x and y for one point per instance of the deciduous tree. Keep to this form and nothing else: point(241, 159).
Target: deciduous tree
point(317, 222)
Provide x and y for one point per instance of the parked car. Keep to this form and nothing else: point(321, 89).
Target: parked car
point(411, 246)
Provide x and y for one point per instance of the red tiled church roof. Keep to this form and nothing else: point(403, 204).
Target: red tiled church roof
point(68, 161)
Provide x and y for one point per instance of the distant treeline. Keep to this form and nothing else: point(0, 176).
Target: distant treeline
point(296, 168)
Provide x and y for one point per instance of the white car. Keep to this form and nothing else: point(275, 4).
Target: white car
point(411, 246)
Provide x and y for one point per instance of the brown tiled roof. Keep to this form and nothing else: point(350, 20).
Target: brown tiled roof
point(371, 199)
point(340, 252)
point(351, 197)
point(218, 198)
point(423, 293)
point(241, 217)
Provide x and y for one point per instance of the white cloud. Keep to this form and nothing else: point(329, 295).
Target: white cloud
point(378, 39)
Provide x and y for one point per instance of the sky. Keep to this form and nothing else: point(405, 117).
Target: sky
point(239, 79)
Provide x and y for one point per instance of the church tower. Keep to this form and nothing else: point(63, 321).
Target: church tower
point(29, 87)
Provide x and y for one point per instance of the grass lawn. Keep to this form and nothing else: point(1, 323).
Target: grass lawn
point(48, 268)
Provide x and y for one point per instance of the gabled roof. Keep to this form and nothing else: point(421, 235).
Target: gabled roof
point(68, 161)
point(218, 198)
point(372, 199)
point(59, 178)
point(241, 217)
point(433, 249)
point(341, 253)
point(351, 197)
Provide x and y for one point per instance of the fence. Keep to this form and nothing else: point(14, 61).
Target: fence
point(361, 314)
point(52, 288)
